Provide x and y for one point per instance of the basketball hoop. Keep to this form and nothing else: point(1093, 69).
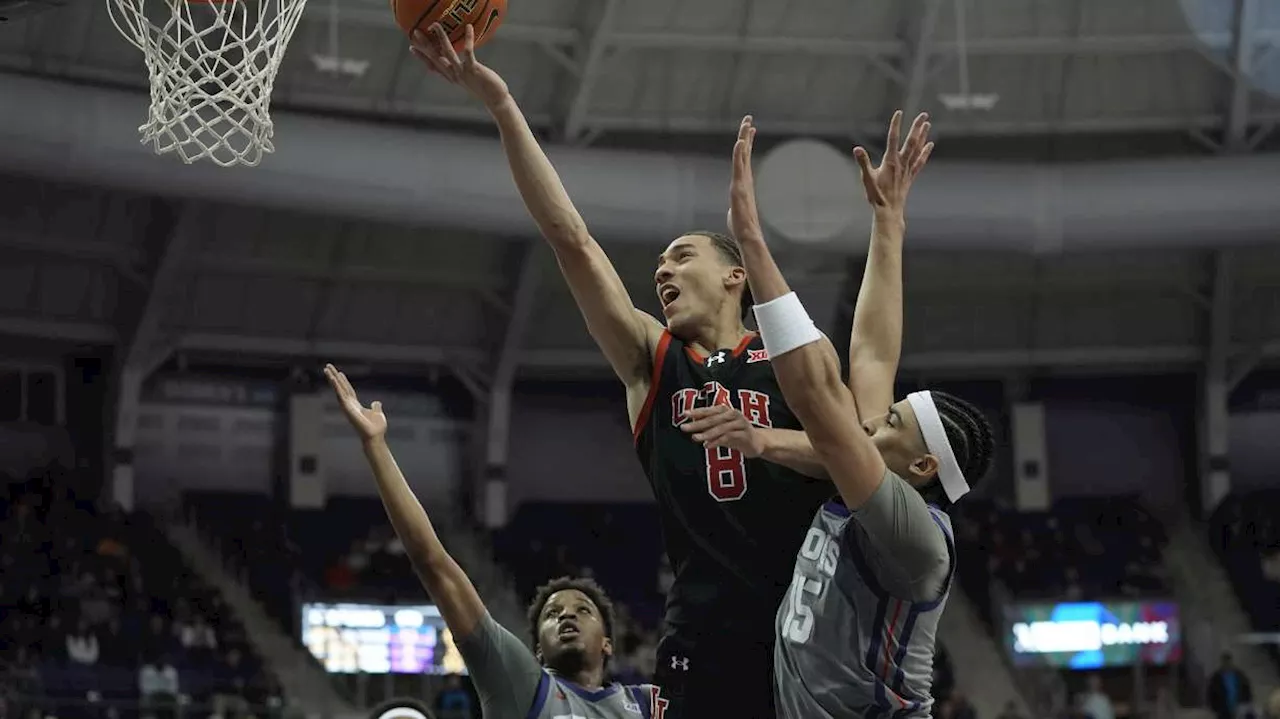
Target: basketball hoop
point(212, 64)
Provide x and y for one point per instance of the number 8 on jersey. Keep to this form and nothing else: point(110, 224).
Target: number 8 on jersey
point(726, 468)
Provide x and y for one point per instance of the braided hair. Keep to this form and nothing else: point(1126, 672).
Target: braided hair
point(731, 252)
point(971, 440)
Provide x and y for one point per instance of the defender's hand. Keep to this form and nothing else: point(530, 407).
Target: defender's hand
point(435, 50)
point(369, 423)
point(722, 426)
point(887, 186)
point(744, 218)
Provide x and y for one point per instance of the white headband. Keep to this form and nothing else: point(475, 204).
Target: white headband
point(935, 438)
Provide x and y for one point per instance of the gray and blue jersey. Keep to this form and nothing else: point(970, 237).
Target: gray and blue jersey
point(513, 685)
point(856, 631)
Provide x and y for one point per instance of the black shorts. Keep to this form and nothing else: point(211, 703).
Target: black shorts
point(720, 679)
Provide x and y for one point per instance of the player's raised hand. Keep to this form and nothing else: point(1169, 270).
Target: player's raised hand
point(722, 426)
point(744, 218)
point(887, 186)
point(369, 422)
point(435, 50)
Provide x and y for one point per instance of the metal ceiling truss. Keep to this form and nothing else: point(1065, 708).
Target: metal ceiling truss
point(889, 56)
point(588, 362)
point(919, 55)
point(595, 54)
point(890, 51)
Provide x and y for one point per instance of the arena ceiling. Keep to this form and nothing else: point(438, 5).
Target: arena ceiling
point(1074, 79)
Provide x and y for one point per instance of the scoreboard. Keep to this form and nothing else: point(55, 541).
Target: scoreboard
point(353, 638)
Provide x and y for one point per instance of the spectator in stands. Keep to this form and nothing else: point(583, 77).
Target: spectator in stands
point(453, 701)
point(158, 641)
point(82, 645)
point(158, 688)
point(229, 687)
point(196, 633)
point(1165, 705)
point(1229, 689)
point(112, 651)
point(1094, 702)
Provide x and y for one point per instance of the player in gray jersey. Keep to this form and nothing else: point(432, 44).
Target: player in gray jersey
point(855, 634)
point(571, 620)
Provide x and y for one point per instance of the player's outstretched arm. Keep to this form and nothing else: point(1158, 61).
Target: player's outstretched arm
point(875, 344)
point(804, 361)
point(444, 580)
point(625, 335)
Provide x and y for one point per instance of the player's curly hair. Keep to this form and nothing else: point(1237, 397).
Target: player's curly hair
point(969, 434)
point(731, 252)
point(585, 585)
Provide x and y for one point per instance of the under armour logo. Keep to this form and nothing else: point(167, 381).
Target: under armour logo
point(681, 663)
point(717, 357)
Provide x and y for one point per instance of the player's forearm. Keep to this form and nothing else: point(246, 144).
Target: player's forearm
point(444, 580)
point(407, 515)
point(877, 318)
point(536, 179)
point(792, 449)
point(809, 369)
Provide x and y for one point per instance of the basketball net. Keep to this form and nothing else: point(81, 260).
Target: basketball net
point(212, 64)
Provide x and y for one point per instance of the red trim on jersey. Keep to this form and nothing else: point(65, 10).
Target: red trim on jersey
point(700, 358)
point(891, 637)
point(659, 356)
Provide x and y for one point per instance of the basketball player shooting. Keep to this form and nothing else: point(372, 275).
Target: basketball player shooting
point(856, 631)
point(731, 518)
point(571, 621)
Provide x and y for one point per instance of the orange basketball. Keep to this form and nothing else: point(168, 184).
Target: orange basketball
point(453, 16)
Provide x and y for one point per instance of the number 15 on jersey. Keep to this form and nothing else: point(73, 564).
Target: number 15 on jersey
point(798, 626)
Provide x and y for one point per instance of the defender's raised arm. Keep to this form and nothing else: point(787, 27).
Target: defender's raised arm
point(448, 585)
point(875, 344)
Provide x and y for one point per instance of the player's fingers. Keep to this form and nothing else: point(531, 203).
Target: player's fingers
point(716, 436)
point(702, 412)
point(919, 139)
point(376, 407)
point(433, 63)
point(445, 46)
point(469, 47)
point(915, 138)
point(744, 128)
point(863, 159)
point(919, 164)
point(347, 389)
point(895, 131)
point(868, 172)
point(702, 418)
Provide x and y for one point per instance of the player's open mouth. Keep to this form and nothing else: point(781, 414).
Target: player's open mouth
point(568, 631)
point(668, 294)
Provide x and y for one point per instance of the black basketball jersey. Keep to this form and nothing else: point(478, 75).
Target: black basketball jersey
point(731, 525)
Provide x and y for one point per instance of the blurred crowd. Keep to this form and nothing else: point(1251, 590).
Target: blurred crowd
point(102, 619)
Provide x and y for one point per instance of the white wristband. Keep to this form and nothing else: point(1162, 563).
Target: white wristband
point(785, 325)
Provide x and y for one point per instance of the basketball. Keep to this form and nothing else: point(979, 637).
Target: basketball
point(453, 16)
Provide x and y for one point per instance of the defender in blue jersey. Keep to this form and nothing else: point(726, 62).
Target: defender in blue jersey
point(571, 620)
point(855, 634)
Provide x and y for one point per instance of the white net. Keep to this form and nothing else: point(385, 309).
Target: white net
point(212, 64)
